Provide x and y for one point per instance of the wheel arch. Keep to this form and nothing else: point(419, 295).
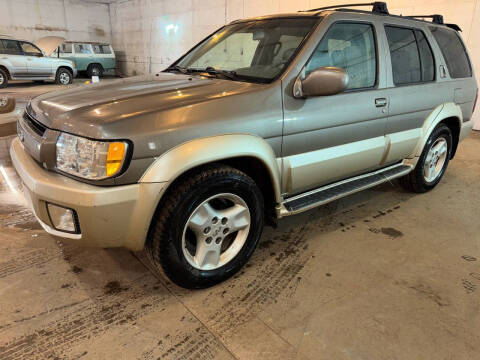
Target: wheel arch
point(247, 153)
point(95, 63)
point(4, 68)
point(66, 67)
point(449, 114)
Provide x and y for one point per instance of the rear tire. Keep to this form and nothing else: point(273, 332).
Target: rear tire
point(433, 162)
point(207, 227)
point(64, 77)
point(3, 79)
point(95, 70)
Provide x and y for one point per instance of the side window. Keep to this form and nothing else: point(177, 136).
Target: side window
point(350, 46)
point(82, 49)
point(426, 57)
point(11, 47)
point(404, 55)
point(101, 49)
point(30, 49)
point(66, 48)
point(453, 51)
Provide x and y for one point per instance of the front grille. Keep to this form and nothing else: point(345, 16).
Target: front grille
point(38, 128)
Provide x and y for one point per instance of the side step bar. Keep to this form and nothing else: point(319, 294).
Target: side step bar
point(328, 193)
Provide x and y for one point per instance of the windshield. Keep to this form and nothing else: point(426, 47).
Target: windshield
point(255, 51)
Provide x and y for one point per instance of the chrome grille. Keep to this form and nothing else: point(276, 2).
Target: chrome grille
point(38, 128)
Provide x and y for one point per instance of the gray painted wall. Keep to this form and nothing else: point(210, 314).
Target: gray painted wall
point(72, 19)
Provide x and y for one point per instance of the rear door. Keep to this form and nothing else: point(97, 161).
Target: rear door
point(415, 88)
point(11, 53)
point(38, 65)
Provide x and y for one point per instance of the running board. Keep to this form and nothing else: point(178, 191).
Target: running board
point(328, 193)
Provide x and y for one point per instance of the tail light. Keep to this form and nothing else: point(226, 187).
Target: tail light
point(475, 102)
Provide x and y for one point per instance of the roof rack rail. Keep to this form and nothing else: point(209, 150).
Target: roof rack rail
point(378, 7)
point(436, 18)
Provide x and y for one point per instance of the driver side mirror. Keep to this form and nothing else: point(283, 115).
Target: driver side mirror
point(328, 80)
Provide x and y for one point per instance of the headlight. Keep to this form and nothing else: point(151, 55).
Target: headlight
point(89, 159)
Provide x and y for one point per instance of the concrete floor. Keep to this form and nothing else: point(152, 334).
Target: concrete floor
point(383, 274)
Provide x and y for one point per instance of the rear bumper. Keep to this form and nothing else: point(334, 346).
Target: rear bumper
point(117, 216)
point(465, 129)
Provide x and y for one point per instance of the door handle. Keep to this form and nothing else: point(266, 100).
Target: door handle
point(380, 102)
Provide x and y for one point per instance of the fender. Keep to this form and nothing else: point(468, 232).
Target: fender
point(439, 114)
point(186, 156)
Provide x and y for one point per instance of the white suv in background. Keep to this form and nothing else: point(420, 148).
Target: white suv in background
point(23, 60)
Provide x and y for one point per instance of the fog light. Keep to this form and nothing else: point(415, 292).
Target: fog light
point(63, 219)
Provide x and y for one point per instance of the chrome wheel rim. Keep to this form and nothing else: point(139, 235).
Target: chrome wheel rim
point(2, 79)
point(64, 78)
point(216, 231)
point(435, 160)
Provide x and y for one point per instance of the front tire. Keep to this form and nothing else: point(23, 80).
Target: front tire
point(207, 227)
point(433, 162)
point(3, 79)
point(64, 77)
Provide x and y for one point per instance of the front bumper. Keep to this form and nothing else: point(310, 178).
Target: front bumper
point(116, 216)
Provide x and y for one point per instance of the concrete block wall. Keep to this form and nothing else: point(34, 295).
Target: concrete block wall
point(72, 19)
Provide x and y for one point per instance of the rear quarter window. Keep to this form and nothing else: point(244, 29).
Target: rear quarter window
point(453, 51)
point(101, 49)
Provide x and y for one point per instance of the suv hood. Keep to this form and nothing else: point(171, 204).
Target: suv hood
point(49, 44)
point(122, 108)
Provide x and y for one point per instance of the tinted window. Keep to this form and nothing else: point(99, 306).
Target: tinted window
point(82, 49)
point(30, 50)
point(10, 47)
point(101, 49)
point(350, 47)
point(426, 57)
point(404, 55)
point(453, 52)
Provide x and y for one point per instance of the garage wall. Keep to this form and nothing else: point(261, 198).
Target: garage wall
point(72, 19)
point(148, 35)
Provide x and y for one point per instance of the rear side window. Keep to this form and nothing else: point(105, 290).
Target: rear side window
point(10, 47)
point(427, 63)
point(350, 46)
point(82, 49)
point(411, 55)
point(101, 49)
point(453, 52)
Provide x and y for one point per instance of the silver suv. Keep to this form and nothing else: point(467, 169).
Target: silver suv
point(23, 60)
point(265, 118)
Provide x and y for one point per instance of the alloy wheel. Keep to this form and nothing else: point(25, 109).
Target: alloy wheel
point(216, 231)
point(435, 160)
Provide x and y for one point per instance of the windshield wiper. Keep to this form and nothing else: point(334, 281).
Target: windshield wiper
point(177, 68)
point(232, 75)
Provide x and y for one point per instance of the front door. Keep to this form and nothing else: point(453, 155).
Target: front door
point(38, 65)
point(330, 138)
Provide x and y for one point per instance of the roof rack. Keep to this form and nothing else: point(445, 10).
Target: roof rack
point(436, 18)
point(378, 7)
